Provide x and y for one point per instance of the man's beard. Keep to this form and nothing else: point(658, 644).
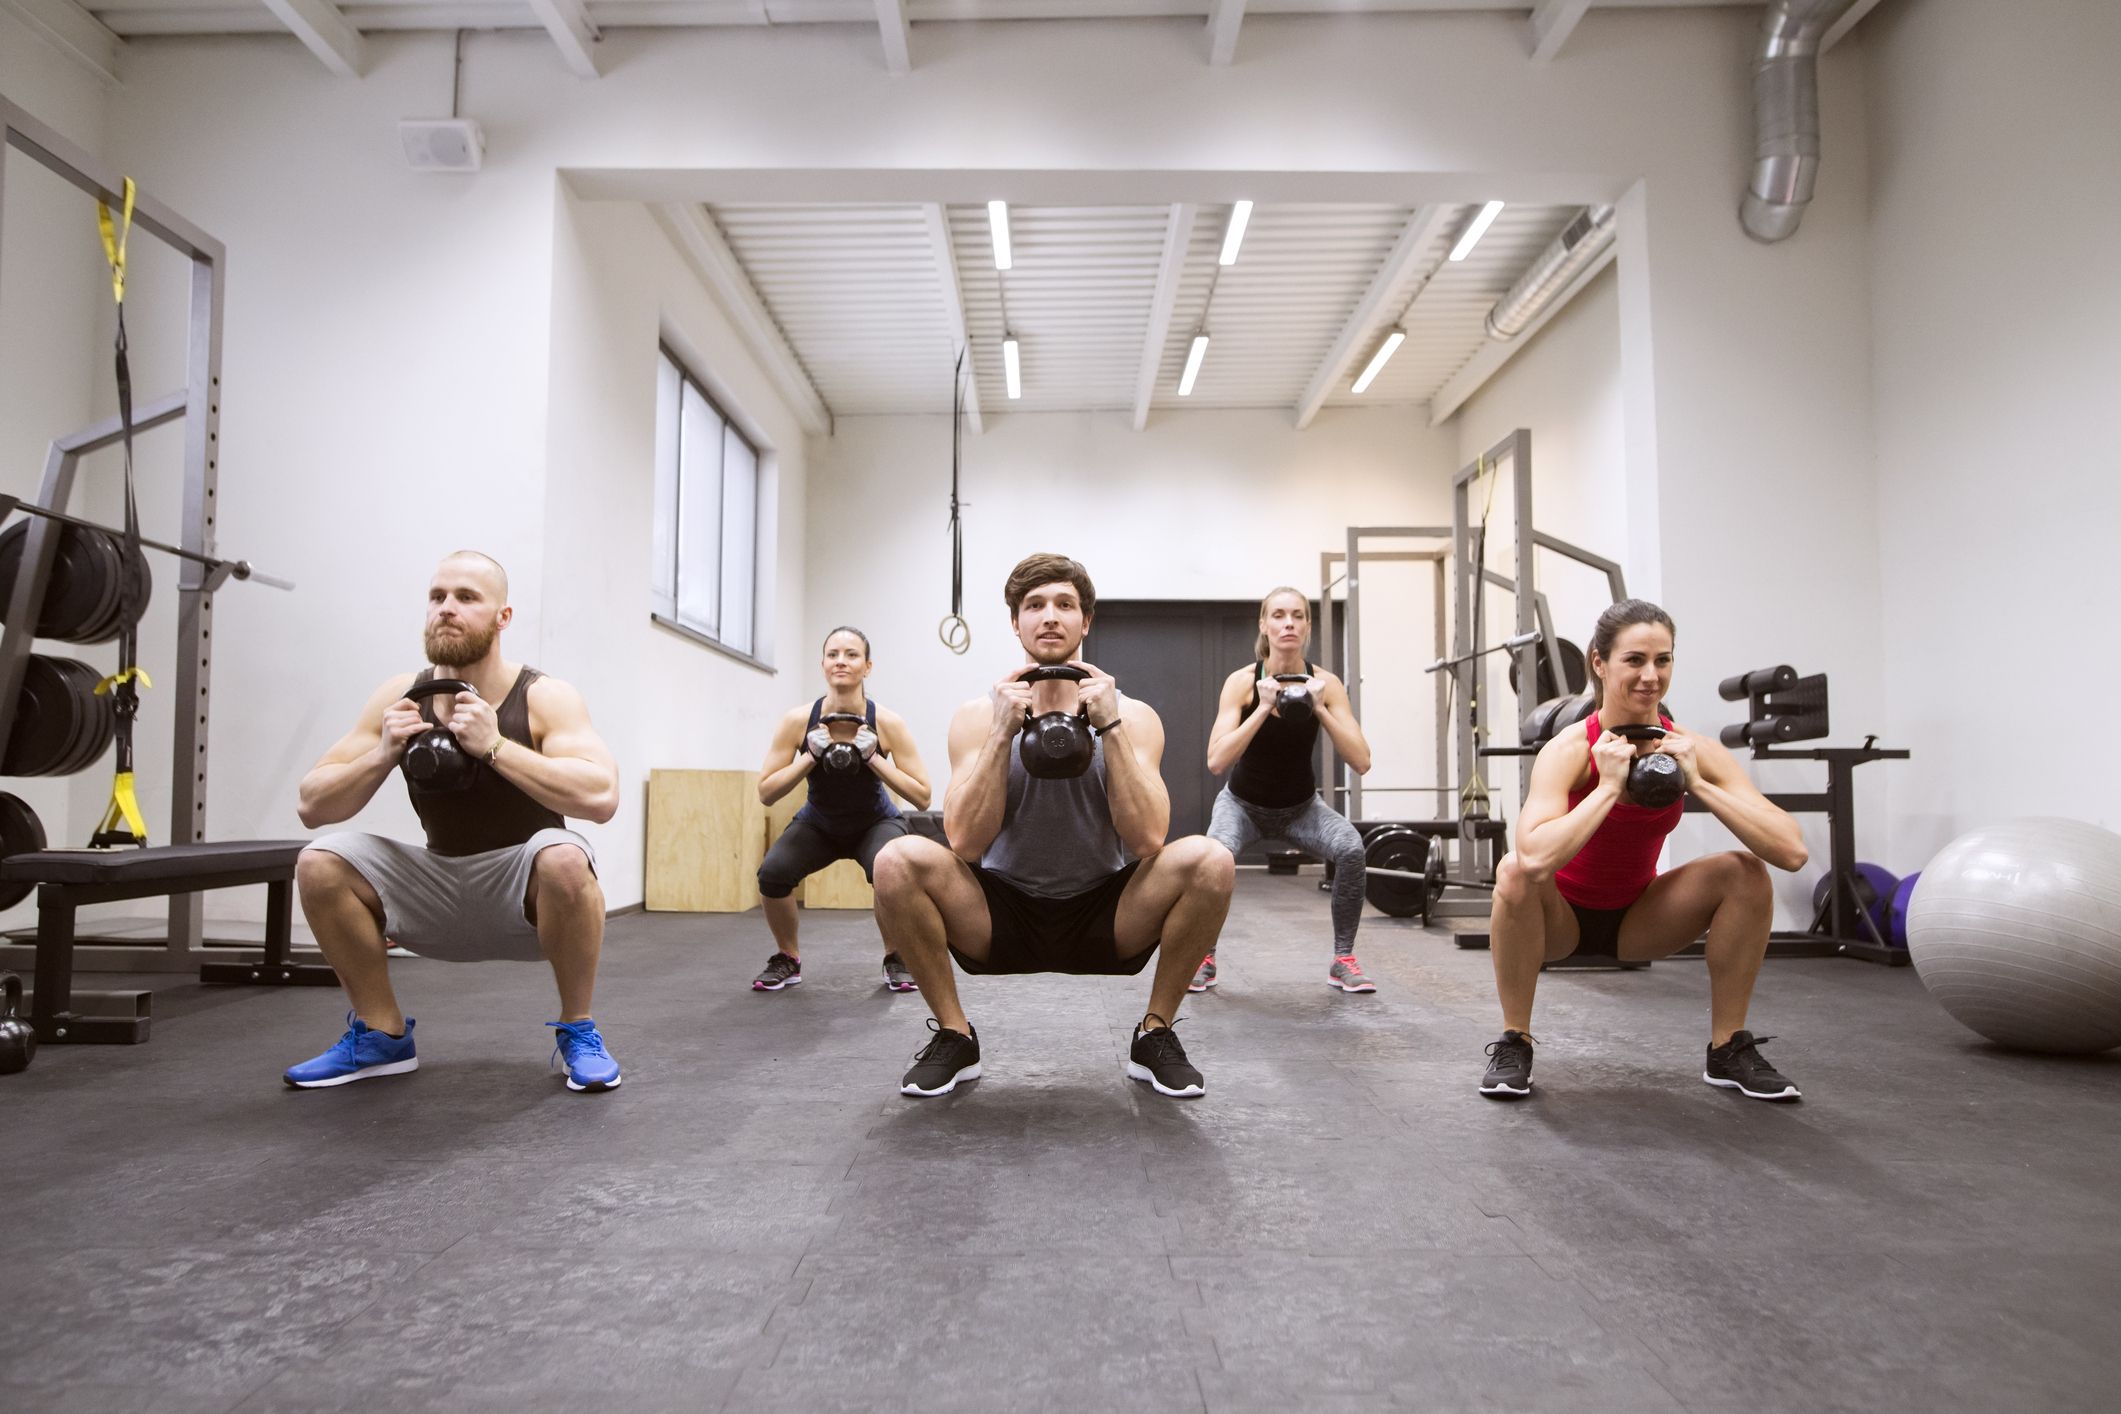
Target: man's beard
point(1052, 653)
point(460, 649)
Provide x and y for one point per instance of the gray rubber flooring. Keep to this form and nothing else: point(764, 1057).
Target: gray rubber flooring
point(757, 1220)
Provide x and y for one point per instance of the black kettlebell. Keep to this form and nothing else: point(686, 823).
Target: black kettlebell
point(1056, 746)
point(1296, 705)
point(842, 757)
point(434, 761)
point(1655, 781)
point(18, 1043)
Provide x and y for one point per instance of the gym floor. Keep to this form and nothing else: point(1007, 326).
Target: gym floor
point(757, 1220)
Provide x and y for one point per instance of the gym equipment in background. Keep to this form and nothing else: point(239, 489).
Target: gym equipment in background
point(2016, 931)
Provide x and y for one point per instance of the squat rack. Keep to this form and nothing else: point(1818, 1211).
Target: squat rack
point(198, 405)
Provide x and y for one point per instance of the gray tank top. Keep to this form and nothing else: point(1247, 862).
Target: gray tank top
point(1057, 838)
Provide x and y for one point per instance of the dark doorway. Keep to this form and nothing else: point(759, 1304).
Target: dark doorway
point(1174, 654)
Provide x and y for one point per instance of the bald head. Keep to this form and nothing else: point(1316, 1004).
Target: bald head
point(480, 563)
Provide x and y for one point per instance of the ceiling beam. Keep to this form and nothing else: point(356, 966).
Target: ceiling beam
point(72, 31)
point(1553, 21)
point(1848, 21)
point(1224, 16)
point(568, 22)
point(701, 242)
point(325, 33)
point(1388, 292)
point(1178, 240)
point(954, 304)
point(898, 35)
point(1492, 354)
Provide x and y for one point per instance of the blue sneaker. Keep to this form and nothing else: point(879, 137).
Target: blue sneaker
point(589, 1065)
point(361, 1054)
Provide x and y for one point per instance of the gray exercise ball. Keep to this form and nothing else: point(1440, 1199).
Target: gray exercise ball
point(2016, 931)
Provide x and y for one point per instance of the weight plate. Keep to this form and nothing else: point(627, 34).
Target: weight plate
point(21, 832)
point(105, 627)
point(1572, 667)
point(44, 722)
point(78, 590)
point(98, 716)
point(1396, 847)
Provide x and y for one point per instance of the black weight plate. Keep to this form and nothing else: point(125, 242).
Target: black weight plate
point(83, 716)
point(138, 582)
point(44, 722)
point(21, 832)
point(98, 716)
point(75, 595)
point(1432, 884)
point(1572, 667)
point(105, 627)
point(1396, 847)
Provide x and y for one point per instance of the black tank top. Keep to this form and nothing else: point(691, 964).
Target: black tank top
point(491, 812)
point(1277, 769)
point(845, 804)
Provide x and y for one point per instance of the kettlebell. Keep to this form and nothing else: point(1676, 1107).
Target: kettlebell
point(1056, 746)
point(842, 757)
point(1654, 781)
point(1297, 709)
point(18, 1042)
point(434, 761)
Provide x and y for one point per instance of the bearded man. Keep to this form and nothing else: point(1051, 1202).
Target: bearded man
point(501, 877)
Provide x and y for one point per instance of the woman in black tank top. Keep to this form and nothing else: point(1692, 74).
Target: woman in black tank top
point(847, 814)
point(1273, 788)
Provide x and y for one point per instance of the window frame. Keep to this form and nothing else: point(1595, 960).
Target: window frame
point(672, 622)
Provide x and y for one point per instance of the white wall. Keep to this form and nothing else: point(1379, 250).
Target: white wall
point(1995, 301)
point(1202, 505)
point(54, 333)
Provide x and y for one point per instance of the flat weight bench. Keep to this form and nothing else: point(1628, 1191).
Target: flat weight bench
point(68, 879)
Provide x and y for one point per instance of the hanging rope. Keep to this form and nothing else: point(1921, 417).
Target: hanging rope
point(123, 823)
point(955, 633)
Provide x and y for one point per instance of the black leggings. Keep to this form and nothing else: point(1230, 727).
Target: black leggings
point(806, 847)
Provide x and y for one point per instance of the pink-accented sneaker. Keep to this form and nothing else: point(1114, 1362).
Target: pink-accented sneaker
point(1205, 977)
point(1347, 975)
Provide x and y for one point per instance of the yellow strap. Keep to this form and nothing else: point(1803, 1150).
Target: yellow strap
point(114, 240)
point(124, 807)
point(103, 688)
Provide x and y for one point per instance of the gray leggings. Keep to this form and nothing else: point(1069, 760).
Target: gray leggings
point(1313, 827)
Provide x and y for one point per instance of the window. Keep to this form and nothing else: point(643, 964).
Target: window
point(707, 518)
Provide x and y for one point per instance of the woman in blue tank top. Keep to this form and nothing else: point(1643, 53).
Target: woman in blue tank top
point(1273, 790)
point(849, 814)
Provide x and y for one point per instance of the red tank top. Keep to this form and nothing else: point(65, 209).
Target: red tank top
point(1620, 859)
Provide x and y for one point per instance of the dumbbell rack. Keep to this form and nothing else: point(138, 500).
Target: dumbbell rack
point(198, 406)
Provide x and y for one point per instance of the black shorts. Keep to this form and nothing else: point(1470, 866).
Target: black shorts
point(806, 847)
point(1033, 934)
point(1598, 930)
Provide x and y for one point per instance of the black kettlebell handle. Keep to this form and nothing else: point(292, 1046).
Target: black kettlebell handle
point(438, 687)
point(1053, 672)
point(854, 717)
point(1292, 677)
point(10, 995)
point(1639, 731)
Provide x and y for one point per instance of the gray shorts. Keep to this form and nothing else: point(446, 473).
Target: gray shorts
point(462, 908)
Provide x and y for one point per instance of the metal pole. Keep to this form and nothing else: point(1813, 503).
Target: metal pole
point(1353, 677)
point(1443, 695)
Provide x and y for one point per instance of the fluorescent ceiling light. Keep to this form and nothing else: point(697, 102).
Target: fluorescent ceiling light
point(1012, 366)
point(1193, 358)
point(1234, 236)
point(1379, 359)
point(1474, 232)
point(998, 223)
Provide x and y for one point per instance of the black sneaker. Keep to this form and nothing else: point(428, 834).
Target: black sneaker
point(943, 1062)
point(1738, 1065)
point(1509, 1074)
point(896, 976)
point(1158, 1058)
point(781, 971)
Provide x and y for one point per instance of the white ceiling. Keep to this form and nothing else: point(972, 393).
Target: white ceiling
point(862, 295)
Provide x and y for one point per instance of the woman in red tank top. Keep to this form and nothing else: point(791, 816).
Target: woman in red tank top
point(1583, 877)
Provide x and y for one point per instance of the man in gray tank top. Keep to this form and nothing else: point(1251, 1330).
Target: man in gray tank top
point(500, 877)
point(1046, 874)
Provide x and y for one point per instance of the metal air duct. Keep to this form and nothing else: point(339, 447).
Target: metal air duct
point(1786, 115)
point(1582, 241)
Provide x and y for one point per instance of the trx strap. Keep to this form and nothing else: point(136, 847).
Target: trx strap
point(954, 631)
point(122, 821)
